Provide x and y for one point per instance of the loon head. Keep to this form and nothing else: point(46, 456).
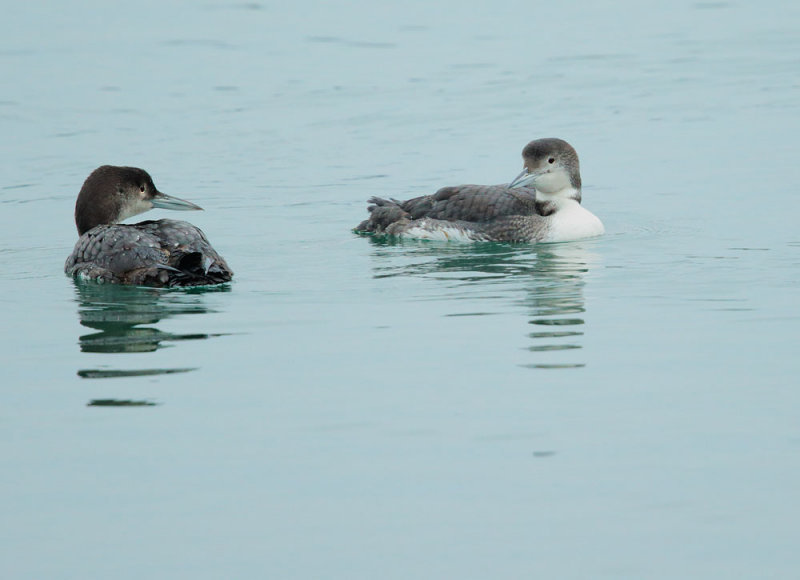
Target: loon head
point(111, 194)
point(551, 167)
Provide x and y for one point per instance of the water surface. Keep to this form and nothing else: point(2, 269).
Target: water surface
point(623, 407)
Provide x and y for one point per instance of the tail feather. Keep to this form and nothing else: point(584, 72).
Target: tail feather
point(382, 214)
point(197, 269)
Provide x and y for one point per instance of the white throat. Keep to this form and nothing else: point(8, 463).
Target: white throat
point(134, 207)
point(558, 199)
point(553, 181)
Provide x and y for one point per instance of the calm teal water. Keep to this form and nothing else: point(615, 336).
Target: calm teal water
point(624, 407)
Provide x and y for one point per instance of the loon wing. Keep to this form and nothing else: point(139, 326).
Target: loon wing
point(181, 238)
point(151, 253)
point(466, 204)
point(189, 252)
point(472, 203)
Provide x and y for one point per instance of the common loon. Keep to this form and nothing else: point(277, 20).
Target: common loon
point(542, 204)
point(150, 253)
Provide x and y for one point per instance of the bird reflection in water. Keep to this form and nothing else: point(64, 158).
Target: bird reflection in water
point(546, 279)
point(557, 306)
point(124, 318)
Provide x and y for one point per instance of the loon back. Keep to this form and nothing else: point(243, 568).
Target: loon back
point(162, 253)
point(462, 203)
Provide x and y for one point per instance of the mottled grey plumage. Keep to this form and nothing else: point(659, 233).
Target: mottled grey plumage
point(472, 203)
point(150, 253)
point(481, 209)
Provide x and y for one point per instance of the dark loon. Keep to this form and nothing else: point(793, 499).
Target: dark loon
point(150, 253)
point(542, 204)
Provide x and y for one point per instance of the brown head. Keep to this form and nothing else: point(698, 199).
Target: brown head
point(111, 194)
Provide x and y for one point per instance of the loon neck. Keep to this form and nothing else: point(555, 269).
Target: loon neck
point(550, 203)
point(91, 211)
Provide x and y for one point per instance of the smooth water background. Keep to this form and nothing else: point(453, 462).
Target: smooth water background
point(625, 407)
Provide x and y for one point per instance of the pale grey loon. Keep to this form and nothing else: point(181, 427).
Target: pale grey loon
point(542, 204)
point(150, 253)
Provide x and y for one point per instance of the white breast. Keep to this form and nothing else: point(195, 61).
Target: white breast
point(573, 222)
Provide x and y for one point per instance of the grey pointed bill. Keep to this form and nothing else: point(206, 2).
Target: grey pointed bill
point(524, 178)
point(164, 201)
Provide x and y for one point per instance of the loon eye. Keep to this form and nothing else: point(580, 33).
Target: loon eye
point(141, 188)
point(551, 160)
